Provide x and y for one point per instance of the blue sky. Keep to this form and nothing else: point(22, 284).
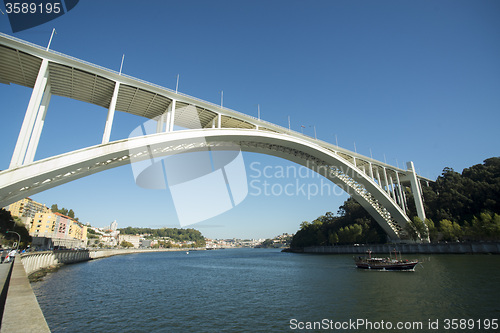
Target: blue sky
point(402, 80)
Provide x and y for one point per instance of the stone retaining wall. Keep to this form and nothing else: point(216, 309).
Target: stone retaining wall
point(432, 248)
point(35, 261)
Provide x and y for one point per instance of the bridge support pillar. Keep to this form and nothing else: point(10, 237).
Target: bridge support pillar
point(417, 193)
point(392, 188)
point(386, 183)
point(402, 200)
point(111, 114)
point(378, 178)
point(160, 126)
point(171, 116)
point(37, 130)
point(18, 158)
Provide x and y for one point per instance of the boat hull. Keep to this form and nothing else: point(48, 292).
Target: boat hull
point(389, 266)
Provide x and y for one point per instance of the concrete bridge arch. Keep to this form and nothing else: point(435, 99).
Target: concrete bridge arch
point(41, 175)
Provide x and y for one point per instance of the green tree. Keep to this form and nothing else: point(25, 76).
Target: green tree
point(433, 232)
point(304, 225)
point(486, 226)
point(411, 230)
point(352, 224)
point(267, 243)
point(333, 238)
point(451, 231)
point(420, 227)
point(9, 223)
point(126, 244)
point(70, 213)
point(461, 196)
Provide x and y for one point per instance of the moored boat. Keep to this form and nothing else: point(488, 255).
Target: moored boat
point(389, 264)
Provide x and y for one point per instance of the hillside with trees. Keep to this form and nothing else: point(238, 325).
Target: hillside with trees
point(175, 234)
point(64, 211)
point(352, 224)
point(459, 207)
point(465, 206)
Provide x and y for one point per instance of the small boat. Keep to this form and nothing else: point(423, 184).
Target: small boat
point(388, 264)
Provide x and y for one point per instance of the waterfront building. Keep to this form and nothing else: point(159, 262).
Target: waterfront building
point(55, 229)
point(43, 225)
point(77, 231)
point(107, 237)
point(135, 240)
point(108, 240)
point(62, 226)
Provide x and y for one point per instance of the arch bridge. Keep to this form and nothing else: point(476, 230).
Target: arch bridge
point(379, 187)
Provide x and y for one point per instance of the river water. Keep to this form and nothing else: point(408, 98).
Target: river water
point(264, 290)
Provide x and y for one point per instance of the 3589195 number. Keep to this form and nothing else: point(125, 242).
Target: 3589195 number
point(470, 324)
point(32, 8)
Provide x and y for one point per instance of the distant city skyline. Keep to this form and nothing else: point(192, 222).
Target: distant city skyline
point(397, 81)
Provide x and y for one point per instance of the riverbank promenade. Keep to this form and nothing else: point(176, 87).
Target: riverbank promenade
point(21, 312)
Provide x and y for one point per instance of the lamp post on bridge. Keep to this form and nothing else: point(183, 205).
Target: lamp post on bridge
point(19, 242)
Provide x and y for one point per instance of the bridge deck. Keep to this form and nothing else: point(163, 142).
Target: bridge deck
point(81, 80)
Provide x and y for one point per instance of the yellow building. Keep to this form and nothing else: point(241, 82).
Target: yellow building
point(26, 208)
point(56, 225)
point(77, 231)
point(43, 225)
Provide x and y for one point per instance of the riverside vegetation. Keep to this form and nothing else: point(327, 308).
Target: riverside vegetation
point(459, 207)
point(168, 236)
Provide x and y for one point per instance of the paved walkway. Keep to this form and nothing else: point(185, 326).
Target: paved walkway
point(4, 273)
point(22, 312)
point(4, 270)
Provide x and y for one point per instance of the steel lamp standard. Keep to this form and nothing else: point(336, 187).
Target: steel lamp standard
point(13, 232)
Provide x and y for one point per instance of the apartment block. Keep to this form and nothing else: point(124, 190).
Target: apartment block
point(26, 208)
point(62, 229)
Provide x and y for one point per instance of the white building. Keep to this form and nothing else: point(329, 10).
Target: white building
point(134, 239)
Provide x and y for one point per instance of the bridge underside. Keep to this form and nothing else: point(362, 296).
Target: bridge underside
point(36, 177)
